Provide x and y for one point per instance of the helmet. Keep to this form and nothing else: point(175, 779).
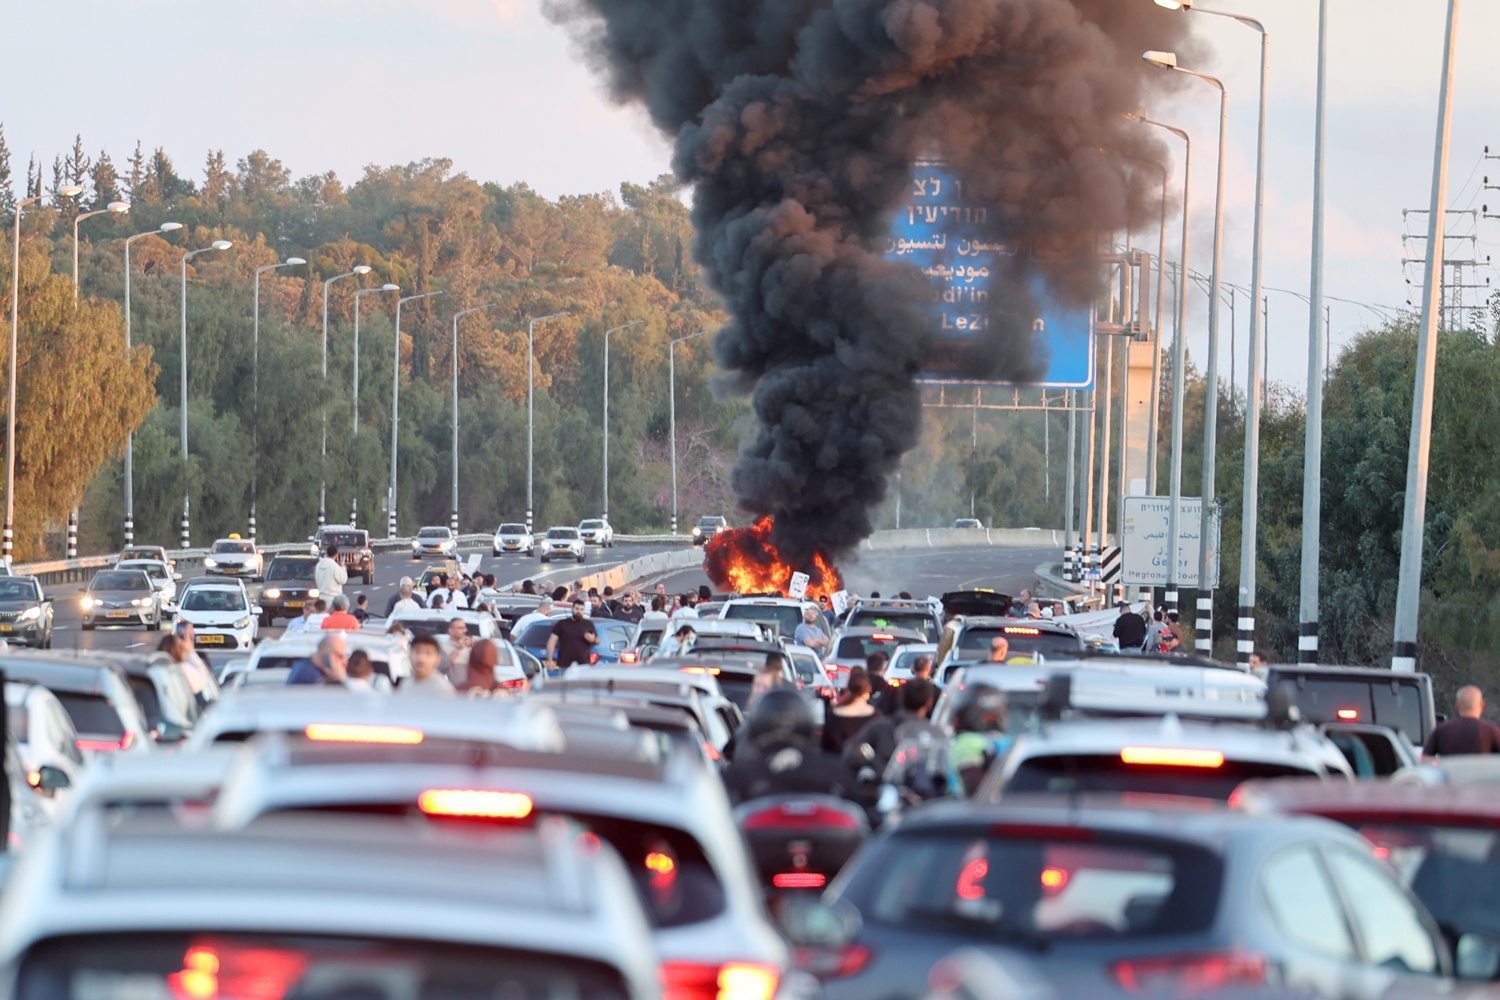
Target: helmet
point(981, 709)
point(781, 712)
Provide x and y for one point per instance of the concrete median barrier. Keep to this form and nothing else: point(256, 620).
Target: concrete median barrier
point(963, 538)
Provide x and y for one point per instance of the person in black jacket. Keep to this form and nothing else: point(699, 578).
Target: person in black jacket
point(1468, 731)
point(778, 755)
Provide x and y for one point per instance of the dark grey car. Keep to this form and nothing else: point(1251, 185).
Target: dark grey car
point(122, 597)
point(1106, 900)
point(25, 612)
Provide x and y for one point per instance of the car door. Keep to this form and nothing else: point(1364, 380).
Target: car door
point(1403, 951)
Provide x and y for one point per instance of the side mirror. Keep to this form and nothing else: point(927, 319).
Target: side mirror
point(257, 611)
point(807, 922)
point(49, 779)
point(168, 732)
point(176, 577)
point(1477, 957)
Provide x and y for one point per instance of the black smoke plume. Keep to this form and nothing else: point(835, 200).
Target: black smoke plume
point(797, 123)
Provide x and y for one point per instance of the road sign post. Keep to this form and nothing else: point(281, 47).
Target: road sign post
point(1144, 547)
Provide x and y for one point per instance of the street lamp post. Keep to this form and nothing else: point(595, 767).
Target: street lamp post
point(323, 453)
point(607, 335)
point(1413, 524)
point(1203, 638)
point(114, 208)
point(255, 388)
point(390, 523)
point(363, 291)
point(453, 515)
point(672, 412)
point(1179, 361)
point(1317, 353)
point(165, 227)
point(1249, 509)
point(216, 245)
point(8, 538)
point(531, 411)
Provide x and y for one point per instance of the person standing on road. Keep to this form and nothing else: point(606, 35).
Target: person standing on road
point(851, 713)
point(1130, 630)
point(426, 656)
point(480, 680)
point(405, 598)
point(314, 621)
point(597, 607)
point(329, 574)
point(340, 619)
point(658, 612)
point(1468, 731)
point(810, 633)
point(678, 642)
point(630, 609)
point(999, 649)
point(542, 613)
point(326, 666)
point(572, 640)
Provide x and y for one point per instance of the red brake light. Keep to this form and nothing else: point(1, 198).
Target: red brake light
point(123, 743)
point(474, 803)
point(883, 637)
point(1172, 756)
point(836, 964)
point(797, 815)
point(1189, 975)
point(518, 684)
point(826, 692)
point(1348, 714)
point(1054, 880)
point(970, 878)
point(333, 732)
point(712, 671)
point(712, 751)
point(799, 880)
point(593, 658)
point(730, 981)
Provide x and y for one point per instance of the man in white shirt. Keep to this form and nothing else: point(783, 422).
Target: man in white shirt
point(425, 679)
point(542, 613)
point(405, 599)
point(687, 610)
point(330, 575)
point(453, 599)
point(314, 621)
point(677, 643)
point(300, 624)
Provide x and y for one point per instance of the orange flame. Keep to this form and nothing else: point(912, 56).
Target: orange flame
point(745, 561)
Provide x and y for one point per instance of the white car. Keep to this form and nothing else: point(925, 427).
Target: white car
point(157, 552)
point(222, 614)
point(434, 541)
point(45, 738)
point(390, 657)
point(513, 538)
point(597, 531)
point(162, 579)
point(234, 556)
point(563, 542)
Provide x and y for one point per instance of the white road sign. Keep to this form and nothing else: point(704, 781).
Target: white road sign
point(1143, 542)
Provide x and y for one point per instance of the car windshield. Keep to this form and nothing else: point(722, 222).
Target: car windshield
point(140, 554)
point(1067, 885)
point(1393, 703)
point(14, 589)
point(433, 533)
point(562, 533)
point(590, 525)
point(1072, 774)
point(786, 616)
point(347, 539)
point(807, 668)
point(131, 966)
point(857, 647)
point(206, 599)
point(91, 713)
point(710, 522)
point(291, 569)
point(1454, 870)
point(233, 548)
point(916, 621)
point(1024, 640)
point(512, 529)
point(127, 580)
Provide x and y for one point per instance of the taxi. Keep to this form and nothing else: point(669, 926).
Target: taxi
point(234, 556)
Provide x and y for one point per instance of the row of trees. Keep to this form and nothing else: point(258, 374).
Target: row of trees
point(604, 260)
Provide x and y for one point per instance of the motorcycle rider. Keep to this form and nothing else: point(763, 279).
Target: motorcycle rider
point(980, 721)
point(778, 754)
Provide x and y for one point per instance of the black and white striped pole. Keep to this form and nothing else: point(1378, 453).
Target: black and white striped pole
point(252, 523)
point(354, 513)
point(185, 532)
point(73, 533)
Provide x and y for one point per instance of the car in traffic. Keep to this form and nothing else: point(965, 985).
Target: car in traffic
point(221, 613)
point(597, 531)
point(26, 612)
point(234, 556)
point(93, 691)
point(434, 540)
point(1108, 899)
point(697, 693)
point(323, 906)
point(287, 589)
point(354, 551)
point(424, 622)
point(968, 523)
point(512, 537)
point(967, 639)
point(614, 638)
point(389, 656)
point(852, 646)
point(164, 693)
point(563, 542)
point(707, 527)
point(122, 597)
point(785, 612)
point(44, 738)
point(898, 670)
point(922, 616)
point(1402, 701)
point(162, 578)
point(647, 636)
point(156, 552)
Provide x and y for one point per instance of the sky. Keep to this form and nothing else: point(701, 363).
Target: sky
point(491, 85)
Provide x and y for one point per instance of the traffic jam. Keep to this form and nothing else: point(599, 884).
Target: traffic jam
point(486, 793)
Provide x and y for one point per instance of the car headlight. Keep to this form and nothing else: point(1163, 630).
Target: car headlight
point(271, 594)
point(31, 614)
point(312, 592)
point(697, 532)
point(88, 602)
point(242, 623)
point(209, 563)
point(135, 602)
point(416, 544)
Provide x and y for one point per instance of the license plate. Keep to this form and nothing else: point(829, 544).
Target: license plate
point(119, 614)
point(7, 628)
point(231, 569)
point(295, 604)
point(210, 640)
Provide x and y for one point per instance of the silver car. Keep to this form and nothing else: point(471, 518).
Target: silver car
point(124, 596)
point(513, 538)
point(563, 543)
point(434, 541)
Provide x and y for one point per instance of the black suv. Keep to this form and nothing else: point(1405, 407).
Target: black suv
point(287, 589)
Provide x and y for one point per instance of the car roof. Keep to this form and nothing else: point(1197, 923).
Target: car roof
point(657, 672)
point(237, 541)
point(1343, 673)
point(214, 583)
point(257, 708)
point(294, 557)
point(860, 631)
point(58, 671)
point(303, 643)
point(996, 621)
point(139, 564)
point(1391, 802)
